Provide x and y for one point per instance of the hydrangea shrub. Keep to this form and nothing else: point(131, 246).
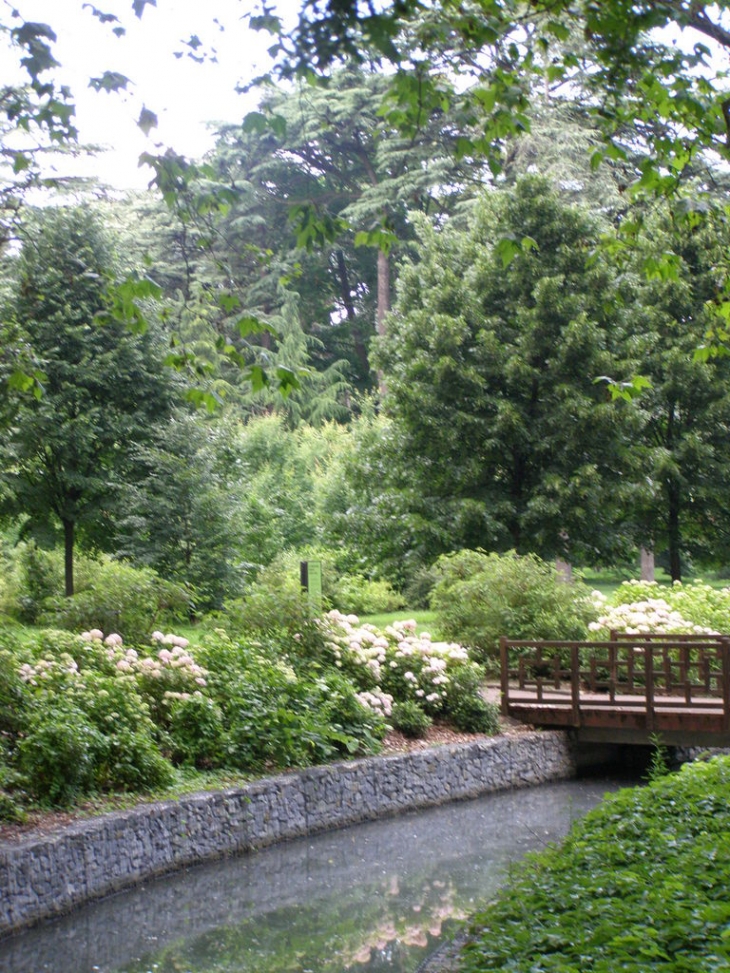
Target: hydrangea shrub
point(399, 665)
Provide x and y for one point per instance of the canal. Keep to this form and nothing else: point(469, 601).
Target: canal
point(372, 898)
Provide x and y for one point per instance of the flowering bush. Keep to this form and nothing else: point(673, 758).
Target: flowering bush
point(87, 713)
point(275, 716)
point(85, 726)
point(399, 665)
point(644, 607)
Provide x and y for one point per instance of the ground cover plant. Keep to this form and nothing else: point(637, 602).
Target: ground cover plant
point(640, 884)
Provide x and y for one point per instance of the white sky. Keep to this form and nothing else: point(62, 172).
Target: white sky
point(184, 95)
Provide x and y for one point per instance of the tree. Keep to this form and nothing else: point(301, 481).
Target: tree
point(490, 359)
point(66, 451)
point(683, 440)
point(325, 182)
point(183, 514)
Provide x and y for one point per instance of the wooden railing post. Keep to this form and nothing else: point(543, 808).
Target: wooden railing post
point(613, 672)
point(649, 686)
point(685, 673)
point(504, 665)
point(575, 683)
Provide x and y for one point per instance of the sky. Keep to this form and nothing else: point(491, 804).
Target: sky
point(186, 96)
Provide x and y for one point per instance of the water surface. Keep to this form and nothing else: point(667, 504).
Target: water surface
point(371, 898)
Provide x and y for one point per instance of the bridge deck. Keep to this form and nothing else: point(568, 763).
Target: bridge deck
point(676, 687)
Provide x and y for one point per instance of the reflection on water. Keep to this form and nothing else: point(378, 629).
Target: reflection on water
point(375, 897)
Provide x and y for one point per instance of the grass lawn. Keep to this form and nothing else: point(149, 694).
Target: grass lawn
point(425, 620)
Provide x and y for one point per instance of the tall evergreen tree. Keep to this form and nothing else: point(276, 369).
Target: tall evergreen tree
point(683, 441)
point(65, 452)
point(489, 361)
point(319, 172)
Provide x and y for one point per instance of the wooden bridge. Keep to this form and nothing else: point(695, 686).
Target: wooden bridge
point(625, 690)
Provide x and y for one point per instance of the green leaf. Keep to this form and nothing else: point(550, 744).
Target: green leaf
point(20, 162)
point(627, 390)
point(229, 302)
point(287, 379)
point(139, 5)
point(110, 81)
point(266, 21)
point(147, 120)
point(258, 378)
point(102, 17)
point(254, 122)
point(249, 324)
point(507, 249)
point(203, 399)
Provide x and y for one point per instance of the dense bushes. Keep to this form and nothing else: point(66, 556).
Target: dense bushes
point(85, 714)
point(280, 582)
point(644, 606)
point(639, 885)
point(479, 597)
point(81, 715)
point(110, 595)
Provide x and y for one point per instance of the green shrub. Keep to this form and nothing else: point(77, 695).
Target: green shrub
point(85, 725)
point(354, 593)
point(12, 793)
point(123, 599)
point(276, 716)
point(57, 754)
point(355, 727)
point(12, 695)
point(480, 597)
point(410, 719)
point(33, 575)
point(464, 706)
point(130, 760)
point(195, 729)
point(11, 809)
point(419, 587)
point(472, 714)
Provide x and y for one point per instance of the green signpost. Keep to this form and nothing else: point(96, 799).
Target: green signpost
point(311, 580)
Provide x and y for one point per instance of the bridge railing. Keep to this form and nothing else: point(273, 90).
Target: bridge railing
point(655, 672)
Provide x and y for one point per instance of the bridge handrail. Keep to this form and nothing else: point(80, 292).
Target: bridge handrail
point(694, 668)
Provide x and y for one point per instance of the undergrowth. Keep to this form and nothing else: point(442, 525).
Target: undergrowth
point(639, 885)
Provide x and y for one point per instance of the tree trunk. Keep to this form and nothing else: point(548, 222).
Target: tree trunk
point(68, 556)
point(647, 565)
point(383, 290)
point(673, 505)
point(673, 532)
point(360, 349)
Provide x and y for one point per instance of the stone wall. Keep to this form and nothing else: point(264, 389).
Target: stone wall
point(47, 876)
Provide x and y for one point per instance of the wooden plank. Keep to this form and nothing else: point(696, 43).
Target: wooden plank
point(670, 700)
